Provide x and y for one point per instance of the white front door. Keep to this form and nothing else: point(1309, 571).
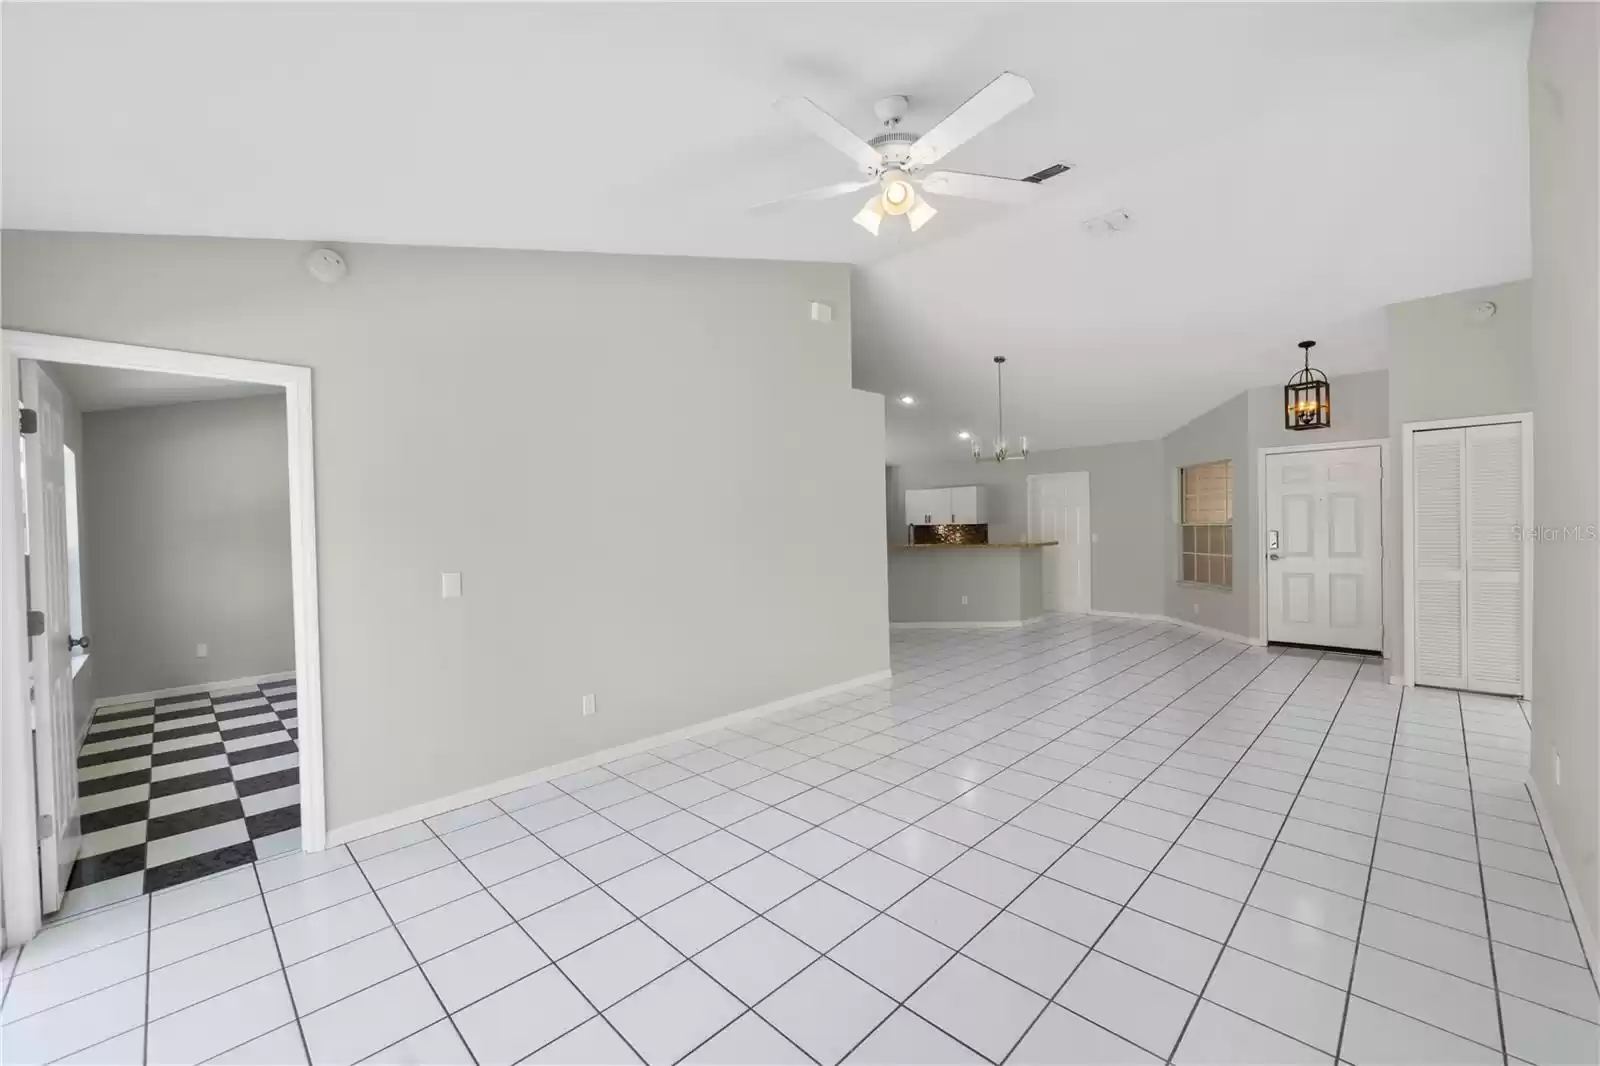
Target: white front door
point(54, 752)
point(1323, 537)
point(1058, 510)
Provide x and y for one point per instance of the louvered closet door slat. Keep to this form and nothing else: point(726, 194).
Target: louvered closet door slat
point(1440, 589)
point(1494, 558)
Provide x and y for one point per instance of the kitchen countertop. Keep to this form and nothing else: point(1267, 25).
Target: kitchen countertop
point(968, 547)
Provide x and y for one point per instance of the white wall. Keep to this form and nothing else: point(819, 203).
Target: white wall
point(1127, 511)
point(652, 473)
point(1564, 104)
point(188, 543)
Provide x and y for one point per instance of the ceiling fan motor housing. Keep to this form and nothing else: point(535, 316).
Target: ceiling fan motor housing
point(895, 147)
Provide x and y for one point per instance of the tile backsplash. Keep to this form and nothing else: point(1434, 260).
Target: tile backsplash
point(976, 533)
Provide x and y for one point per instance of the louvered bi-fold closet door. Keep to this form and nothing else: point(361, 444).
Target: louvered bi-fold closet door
point(1438, 491)
point(1494, 511)
point(1468, 563)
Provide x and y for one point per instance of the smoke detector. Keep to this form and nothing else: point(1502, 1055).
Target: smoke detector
point(326, 265)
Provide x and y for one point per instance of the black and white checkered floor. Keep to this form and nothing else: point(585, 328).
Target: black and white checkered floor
point(182, 786)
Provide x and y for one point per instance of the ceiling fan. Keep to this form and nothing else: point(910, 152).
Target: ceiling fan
point(894, 161)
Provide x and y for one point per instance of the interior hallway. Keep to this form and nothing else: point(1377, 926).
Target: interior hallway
point(1086, 840)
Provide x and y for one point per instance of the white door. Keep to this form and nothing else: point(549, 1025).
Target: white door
point(55, 760)
point(1323, 545)
point(1058, 510)
point(1469, 626)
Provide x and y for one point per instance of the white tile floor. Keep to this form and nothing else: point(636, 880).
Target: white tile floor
point(1084, 841)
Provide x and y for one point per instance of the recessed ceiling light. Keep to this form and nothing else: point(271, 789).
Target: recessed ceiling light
point(963, 435)
point(908, 400)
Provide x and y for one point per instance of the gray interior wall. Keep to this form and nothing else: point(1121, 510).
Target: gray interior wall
point(1127, 511)
point(1564, 104)
point(188, 543)
point(1443, 365)
point(1360, 410)
point(652, 474)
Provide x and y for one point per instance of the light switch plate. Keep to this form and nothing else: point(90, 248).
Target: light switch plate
point(201, 651)
point(450, 586)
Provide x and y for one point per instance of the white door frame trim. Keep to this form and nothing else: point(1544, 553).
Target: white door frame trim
point(1408, 430)
point(1262, 590)
point(1028, 532)
point(18, 869)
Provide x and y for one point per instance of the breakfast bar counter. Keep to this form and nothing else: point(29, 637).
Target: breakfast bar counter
point(956, 585)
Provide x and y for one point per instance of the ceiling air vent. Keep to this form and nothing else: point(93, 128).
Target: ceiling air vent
point(1047, 173)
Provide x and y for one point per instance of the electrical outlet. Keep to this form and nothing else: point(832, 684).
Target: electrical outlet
point(1557, 754)
point(200, 651)
point(1194, 608)
point(963, 601)
point(588, 704)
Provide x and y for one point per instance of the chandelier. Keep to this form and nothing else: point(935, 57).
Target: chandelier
point(1002, 450)
point(1307, 398)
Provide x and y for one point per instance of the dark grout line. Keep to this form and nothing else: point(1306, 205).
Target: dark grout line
point(1366, 892)
point(1201, 996)
point(1483, 889)
point(282, 969)
point(394, 927)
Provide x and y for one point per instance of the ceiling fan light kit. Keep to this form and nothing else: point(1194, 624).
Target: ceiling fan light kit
point(895, 161)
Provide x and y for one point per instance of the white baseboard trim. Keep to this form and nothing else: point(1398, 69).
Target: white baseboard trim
point(1197, 627)
point(393, 820)
point(135, 697)
point(967, 625)
point(1568, 883)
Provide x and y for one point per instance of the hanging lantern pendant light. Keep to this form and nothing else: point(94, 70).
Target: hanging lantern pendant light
point(1002, 449)
point(1307, 399)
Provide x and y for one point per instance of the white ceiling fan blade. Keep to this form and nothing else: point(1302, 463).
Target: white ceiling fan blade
point(824, 193)
point(981, 186)
point(987, 106)
point(829, 129)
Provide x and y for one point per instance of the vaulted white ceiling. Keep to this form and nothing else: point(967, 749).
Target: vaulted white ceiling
point(1290, 169)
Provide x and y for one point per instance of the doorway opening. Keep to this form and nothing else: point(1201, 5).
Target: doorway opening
point(141, 783)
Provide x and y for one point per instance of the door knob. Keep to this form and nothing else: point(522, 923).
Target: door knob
point(1273, 556)
point(77, 642)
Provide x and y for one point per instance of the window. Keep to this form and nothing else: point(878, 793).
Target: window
point(1207, 520)
point(74, 555)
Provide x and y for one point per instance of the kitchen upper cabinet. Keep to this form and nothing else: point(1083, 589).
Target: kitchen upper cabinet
point(927, 507)
point(966, 505)
point(933, 507)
